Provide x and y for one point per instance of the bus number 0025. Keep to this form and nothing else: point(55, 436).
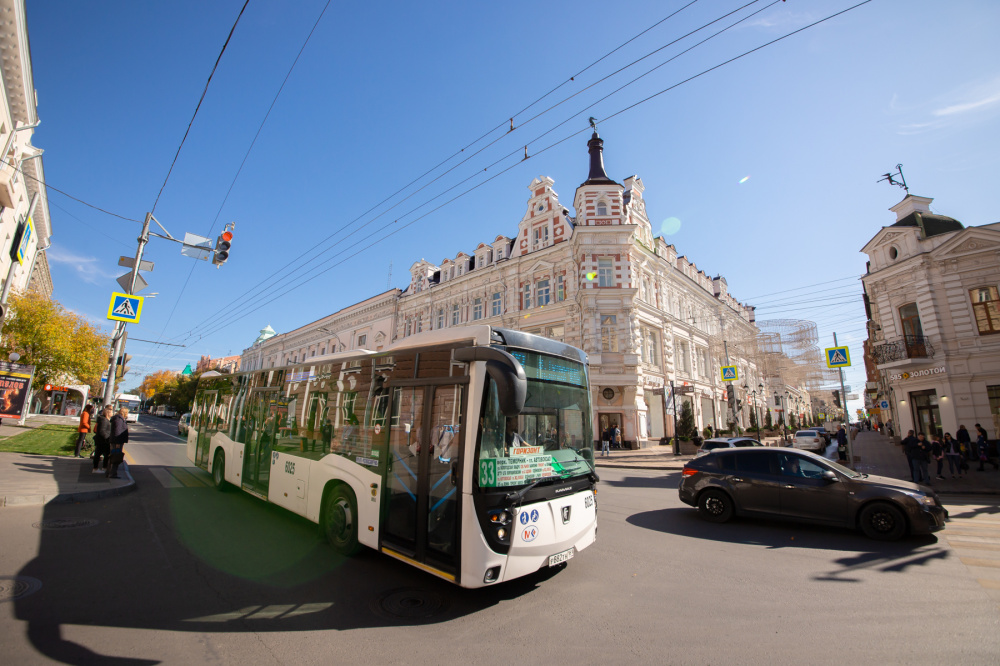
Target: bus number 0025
point(289, 467)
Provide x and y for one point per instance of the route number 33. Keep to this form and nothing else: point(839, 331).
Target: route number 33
point(487, 473)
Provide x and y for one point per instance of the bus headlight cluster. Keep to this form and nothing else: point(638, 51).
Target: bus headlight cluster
point(500, 520)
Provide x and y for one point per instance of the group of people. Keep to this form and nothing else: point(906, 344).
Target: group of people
point(959, 452)
point(110, 436)
point(611, 439)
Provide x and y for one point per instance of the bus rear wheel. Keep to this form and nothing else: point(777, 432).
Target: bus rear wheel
point(340, 520)
point(219, 470)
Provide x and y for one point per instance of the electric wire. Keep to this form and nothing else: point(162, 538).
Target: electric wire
point(303, 266)
point(549, 147)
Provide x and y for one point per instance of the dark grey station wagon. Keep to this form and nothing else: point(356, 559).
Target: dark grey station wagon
point(797, 485)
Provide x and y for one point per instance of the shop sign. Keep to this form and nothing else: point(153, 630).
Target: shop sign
point(926, 372)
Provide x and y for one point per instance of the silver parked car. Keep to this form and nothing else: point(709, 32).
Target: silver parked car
point(725, 442)
point(809, 440)
point(182, 425)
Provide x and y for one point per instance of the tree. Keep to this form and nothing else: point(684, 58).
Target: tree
point(159, 383)
point(61, 345)
point(686, 429)
point(791, 421)
point(768, 423)
point(753, 419)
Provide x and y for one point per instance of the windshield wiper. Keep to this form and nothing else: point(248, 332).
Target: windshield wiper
point(515, 498)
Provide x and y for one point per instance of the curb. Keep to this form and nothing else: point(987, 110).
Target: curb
point(66, 498)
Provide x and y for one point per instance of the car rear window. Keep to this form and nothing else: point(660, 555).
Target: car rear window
point(754, 462)
point(745, 442)
point(708, 446)
point(806, 433)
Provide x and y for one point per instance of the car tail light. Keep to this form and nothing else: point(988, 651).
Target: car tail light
point(816, 440)
point(688, 471)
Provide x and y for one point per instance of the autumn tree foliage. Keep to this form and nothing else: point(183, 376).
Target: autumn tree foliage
point(62, 346)
point(158, 383)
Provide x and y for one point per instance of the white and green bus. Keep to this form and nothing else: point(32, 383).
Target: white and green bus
point(467, 453)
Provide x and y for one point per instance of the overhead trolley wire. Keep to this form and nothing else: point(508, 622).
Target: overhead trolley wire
point(236, 303)
point(214, 329)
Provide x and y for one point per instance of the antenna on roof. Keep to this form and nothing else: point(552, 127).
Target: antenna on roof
point(898, 183)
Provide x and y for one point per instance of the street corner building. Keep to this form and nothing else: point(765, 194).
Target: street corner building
point(933, 348)
point(598, 280)
point(25, 227)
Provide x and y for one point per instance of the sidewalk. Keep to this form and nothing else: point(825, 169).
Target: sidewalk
point(874, 454)
point(32, 479)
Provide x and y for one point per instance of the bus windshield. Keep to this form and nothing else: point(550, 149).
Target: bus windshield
point(550, 439)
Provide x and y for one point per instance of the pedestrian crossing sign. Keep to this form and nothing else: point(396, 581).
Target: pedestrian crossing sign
point(838, 357)
point(125, 308)
point(729, 373)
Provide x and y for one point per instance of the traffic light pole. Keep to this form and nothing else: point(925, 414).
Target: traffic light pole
point(118, 344)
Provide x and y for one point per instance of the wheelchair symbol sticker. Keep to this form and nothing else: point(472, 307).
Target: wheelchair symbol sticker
point(534, 515)
point(524, 517)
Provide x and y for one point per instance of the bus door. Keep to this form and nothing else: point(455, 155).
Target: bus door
point(260, 433)
point(206, 426)
point(421, 497)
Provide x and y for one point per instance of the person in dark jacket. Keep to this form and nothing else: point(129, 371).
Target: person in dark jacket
point(922, 459)
point(102, 438)
point(119, 437)
point(965, 443)
point(910, 445)
point(842, 444)
point(937, 453)
point(953, 453)
point(983, 449)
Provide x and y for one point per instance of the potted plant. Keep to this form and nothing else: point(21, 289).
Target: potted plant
point(687, 431)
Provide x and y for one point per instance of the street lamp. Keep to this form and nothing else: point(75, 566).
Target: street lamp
point(760, 389)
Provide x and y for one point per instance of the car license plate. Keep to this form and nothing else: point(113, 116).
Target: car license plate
point(559, 558)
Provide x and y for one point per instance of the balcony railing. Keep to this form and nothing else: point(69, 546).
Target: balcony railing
point(910, 346)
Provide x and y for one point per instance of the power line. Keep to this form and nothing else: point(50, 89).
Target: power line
point(198, 106)
point(219, 327)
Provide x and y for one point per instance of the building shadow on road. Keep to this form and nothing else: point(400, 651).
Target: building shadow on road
point(193, 559)
point(860, 553)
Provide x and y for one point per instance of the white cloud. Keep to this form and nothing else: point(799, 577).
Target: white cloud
point(968, 106)
point(87, 268)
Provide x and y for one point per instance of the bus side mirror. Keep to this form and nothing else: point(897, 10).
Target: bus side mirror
point(504, 369)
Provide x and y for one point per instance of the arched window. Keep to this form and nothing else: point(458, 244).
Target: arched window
point(602, 207)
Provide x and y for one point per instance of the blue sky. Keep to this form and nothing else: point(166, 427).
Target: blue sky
point(383, 92)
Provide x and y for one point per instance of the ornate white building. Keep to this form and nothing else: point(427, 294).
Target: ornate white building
point(934, 321)
point(22, 190)
point(599, 281)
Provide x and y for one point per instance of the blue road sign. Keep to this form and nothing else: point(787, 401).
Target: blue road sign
point(729, 373)
point(884, 404)
point(838, 357)
point(125, 308)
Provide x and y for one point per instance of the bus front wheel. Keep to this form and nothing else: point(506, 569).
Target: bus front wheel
point(340, 520)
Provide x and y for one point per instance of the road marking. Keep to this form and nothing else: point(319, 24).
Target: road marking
point(973, 532)
point(979, 562)
point(990, 583)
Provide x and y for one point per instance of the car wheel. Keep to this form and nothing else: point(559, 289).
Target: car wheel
point(715, 506)
point(340, 524)
point(882, 521)
point(219, 471)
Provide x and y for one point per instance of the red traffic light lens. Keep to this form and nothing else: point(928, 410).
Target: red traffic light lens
point(227, 236)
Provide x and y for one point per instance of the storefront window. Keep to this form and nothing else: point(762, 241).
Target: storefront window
point(925, 412)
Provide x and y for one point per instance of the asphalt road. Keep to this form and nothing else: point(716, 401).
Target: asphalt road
point(177, 572)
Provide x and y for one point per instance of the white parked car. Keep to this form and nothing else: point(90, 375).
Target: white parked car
point(184, 424)
point(810, 440)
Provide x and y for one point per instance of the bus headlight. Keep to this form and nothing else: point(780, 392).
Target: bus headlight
point(501, 533)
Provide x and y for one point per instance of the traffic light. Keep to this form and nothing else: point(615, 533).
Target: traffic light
point(121, 367)
point(836, 397)
point(222, 245)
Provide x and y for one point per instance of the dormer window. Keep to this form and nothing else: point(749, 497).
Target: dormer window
point(602, 207)
point(893, 253)
point(541, 236)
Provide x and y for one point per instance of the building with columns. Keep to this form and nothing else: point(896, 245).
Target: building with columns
point(597, 279)
point(24, 208)
point(601, 281)
point(931, 295)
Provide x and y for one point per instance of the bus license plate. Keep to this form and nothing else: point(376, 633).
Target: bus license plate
point(559, 558)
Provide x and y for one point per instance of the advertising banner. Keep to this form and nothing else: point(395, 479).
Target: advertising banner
point(15, 384)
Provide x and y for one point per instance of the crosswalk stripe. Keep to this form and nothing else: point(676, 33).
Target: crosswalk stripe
point(187, 478)
point(990, 583)
point(164, 477)
point(974, 545)
point(978, 562)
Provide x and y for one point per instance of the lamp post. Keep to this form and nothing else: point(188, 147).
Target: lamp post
point(760, 389)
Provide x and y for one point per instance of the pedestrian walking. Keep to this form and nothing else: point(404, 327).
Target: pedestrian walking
point(910, 445)
point(83, 429)
point(606, 441)
point(965, 442)
point(937, 453)
point(983, 449)
point(922, 457)
point(119, 437)
point(953, 452)
point(616, 436)
point(842, 444)
point(102, 438)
